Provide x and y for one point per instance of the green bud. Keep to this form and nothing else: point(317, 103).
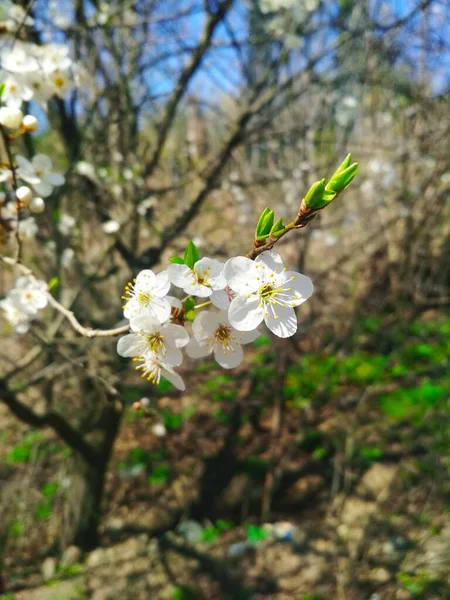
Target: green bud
point(277, 228)
point(346, 163)
point(265, 223)
point(190, 315)
point(189, 304)
point(341, 179)
point(192, 255)
point(2, 89)
point(313, 198)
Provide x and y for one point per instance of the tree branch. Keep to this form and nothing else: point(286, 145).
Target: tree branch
point(51, 419)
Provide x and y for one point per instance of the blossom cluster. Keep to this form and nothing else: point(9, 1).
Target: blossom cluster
point(23, 302)
point(237, 297)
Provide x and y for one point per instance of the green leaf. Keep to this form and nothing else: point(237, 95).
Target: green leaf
point(342, 179)
point(176, 260)
point(2, 88)
point(277, 228)
point(265, 223)
point(346, 163)
point(191, 256)
point(159, 474)
point(53, 283)
point(256, 534)
point(314, 197)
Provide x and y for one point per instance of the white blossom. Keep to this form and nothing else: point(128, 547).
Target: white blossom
point(153, 368)
point(18, 319)
point(11, 117)
point(265, 291)
point(146, 295)
point(39, 174)
point(111, 226)
point(150, 336)
point(203, 280)
point(29, 294)
point(214, 333)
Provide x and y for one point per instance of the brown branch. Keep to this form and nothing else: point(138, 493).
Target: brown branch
point(51, 419)
point(87, 332)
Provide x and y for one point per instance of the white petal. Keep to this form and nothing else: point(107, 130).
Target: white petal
point(205, 324)
point(228, 359)
point(245, 314)
point(272, 260)
point(174, 302)
point(161, 284)
point(241, 275)
point(282, 322)
point(159, 308)
point(131, 345)
point(145, 323)
point(220, 299)
point(197, 289)
point(180, 275)
point(43, 188)
point(145, 279)
point(132, 309)
point(302, 287)
point(173, 357)
point(42, 162)
point(174, 378)
point(196, 350)
point(55, 178)
point(175, 335)
point(246, 337)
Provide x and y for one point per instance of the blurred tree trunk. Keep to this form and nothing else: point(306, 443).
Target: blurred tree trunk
point(84, 508)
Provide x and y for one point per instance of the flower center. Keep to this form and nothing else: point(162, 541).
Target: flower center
point(151, 369)
point(155, 342)
point(59, 82)
point(144, 298)
point(223, 334)
point(267, 293)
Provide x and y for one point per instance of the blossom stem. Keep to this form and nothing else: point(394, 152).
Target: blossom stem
point(197, 306)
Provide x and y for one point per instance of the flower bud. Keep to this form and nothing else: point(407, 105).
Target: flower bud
point(30, 123)
point(11, 117)
point(37, 205)
point(24, 194)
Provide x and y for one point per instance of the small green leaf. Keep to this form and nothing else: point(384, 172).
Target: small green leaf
point(191, 256)
point(2, 88)
point(256, 534)
point(277, 228)
point(314, 197)
point(345, 164)
point(341, 179)
point(176, 260)
point(53, 283)
point(265, 223)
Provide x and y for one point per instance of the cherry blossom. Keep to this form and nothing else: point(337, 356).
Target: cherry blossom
point(214, 333)
point(29, 294)
point(149, 336)
point(39, 174)
point(153, 368)
point(265, 291)
point(146, 295)
point(205, 278)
